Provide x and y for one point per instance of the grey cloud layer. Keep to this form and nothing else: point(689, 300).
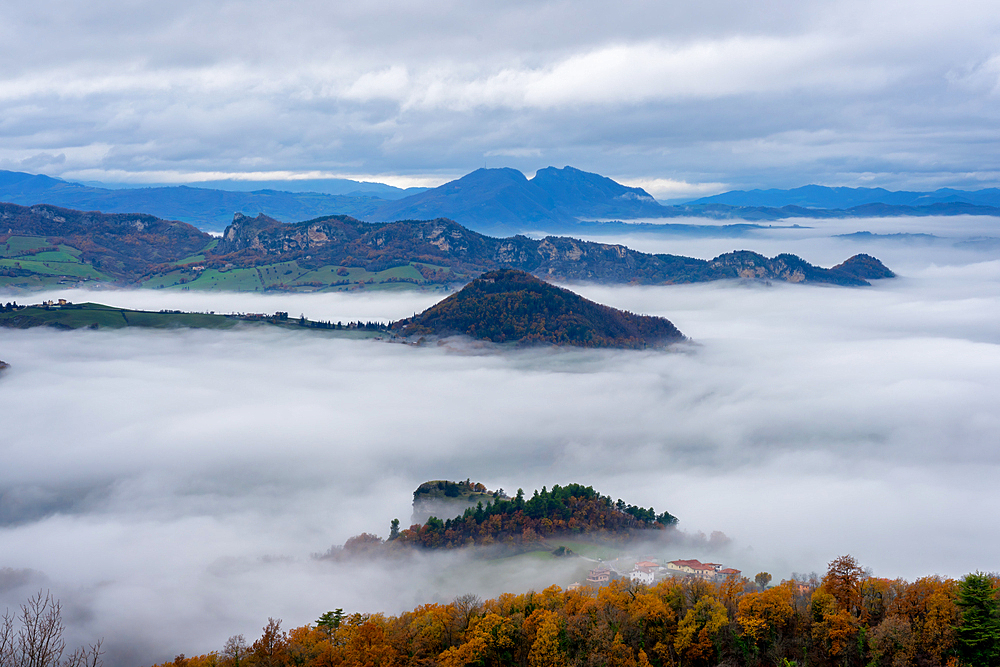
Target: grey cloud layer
point(896, 94)
point(170, 486)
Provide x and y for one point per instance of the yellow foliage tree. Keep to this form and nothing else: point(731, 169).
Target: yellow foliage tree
point(762, 614)
point(546, 650)
point(698, 630)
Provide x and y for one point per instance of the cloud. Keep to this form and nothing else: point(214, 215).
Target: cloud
point(888, 93)
point(664, 188)
point(170, 486)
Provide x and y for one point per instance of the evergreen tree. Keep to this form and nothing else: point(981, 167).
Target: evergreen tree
point(977, 640)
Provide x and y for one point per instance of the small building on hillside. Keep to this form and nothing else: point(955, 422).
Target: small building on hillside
point(644, 572)
point(599, 576)
point(638, 576)
point(695, 568)
point(682, 566)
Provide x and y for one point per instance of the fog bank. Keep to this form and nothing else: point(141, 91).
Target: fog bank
point(170, 486)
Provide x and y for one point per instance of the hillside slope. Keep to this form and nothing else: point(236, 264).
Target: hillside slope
point(463, 254)
point(53, 241)
point(46, 245)
point(511, 306)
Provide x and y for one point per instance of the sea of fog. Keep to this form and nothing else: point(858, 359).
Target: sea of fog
point(170, 487)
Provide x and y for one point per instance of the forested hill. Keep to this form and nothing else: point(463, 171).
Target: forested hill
point(570, 509)
point(511, 306)
point(517, 523)
point(460, 254)
point(45, 245)
point(116, 246)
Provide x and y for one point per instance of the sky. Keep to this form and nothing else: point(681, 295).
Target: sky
point(172, 487)
point(681, 98)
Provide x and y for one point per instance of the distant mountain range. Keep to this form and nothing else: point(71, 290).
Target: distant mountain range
point(821, 197)
point(45, 245)
point(500, 202)
point(207, 209)
point(503, 201)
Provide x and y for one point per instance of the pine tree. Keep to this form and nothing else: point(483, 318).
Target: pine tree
point(977, 640)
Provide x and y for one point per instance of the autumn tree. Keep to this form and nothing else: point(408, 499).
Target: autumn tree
point(271, 650)
point(698, 630)
point(763, 614)
point(762, 579)
point(843, 581)
point(546, 649)
point(235, 650)
point(893, 643)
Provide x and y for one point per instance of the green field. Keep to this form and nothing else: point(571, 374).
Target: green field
point(288, 277)
point(21, 266)
point(32, 262)
point(99, 316)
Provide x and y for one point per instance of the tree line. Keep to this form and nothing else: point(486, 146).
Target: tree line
point(847, 619)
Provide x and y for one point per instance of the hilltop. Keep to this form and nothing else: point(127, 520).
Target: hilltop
point(440, 497)
point(517, 523)
point(511, 306)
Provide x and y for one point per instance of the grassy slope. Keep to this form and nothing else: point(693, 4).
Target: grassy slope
point(96, 315)
point(64, 266)
point(48, 269)
point(288, 277)
point(99, 316)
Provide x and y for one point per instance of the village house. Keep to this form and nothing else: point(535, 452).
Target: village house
point(599, 576)
point(708, 571)
point(644, 572)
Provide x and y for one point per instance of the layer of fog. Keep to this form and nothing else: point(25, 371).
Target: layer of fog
point(171, 486)
point(904, 244)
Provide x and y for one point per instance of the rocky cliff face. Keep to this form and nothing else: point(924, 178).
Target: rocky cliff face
point(446, 500)
point(268, 236)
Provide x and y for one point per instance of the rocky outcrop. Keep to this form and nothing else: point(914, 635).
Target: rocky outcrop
point(446, 499)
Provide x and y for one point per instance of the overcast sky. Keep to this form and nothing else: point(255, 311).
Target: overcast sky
point(682, 98)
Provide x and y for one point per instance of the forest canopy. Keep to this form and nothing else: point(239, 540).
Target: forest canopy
point(847, 618)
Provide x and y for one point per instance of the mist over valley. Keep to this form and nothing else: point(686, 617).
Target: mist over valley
point(171, 487)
